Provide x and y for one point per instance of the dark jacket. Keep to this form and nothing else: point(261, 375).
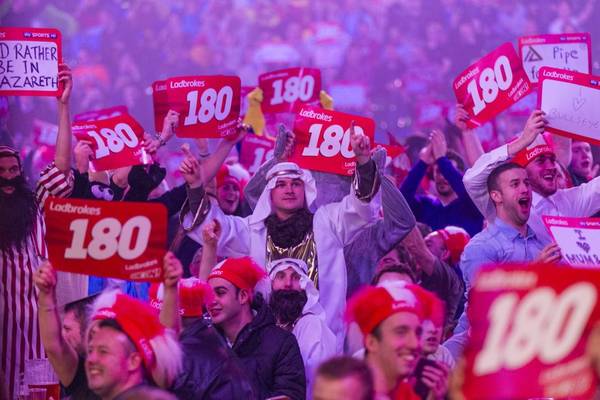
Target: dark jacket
point(271, 357)
point(210, 369)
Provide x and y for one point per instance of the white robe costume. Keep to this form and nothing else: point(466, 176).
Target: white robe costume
point(334, 226)
point(316, 341)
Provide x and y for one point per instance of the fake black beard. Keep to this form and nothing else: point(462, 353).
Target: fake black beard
point(18, 213)
point(287, 305)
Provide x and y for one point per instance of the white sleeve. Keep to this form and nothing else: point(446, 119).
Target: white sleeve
point(235, 236)
point(583, 200)
point(475, 179)
point(316, 341)
point(349, 216)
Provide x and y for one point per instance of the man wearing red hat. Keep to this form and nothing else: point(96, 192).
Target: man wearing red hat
point(390, 317)
point(127, 346)
point(210, 369)
point(534, 151)
point(270, 355)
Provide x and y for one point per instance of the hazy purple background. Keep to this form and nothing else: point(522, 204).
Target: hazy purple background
point(391, 60)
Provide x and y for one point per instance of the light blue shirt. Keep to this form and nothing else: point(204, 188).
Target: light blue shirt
point(499, 243)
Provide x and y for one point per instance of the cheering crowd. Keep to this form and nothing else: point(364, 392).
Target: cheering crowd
point(284, 283)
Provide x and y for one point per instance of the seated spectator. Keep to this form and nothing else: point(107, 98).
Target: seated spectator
point(452, 205)
point(343, 378)
point(390, 318)
point(127, 345)
point(210, 369)
point(581, 168)
point(294, 301)
point(270, 355)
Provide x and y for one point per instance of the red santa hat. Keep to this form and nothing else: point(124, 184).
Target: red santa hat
point(235, 174)
point(243, 273)
point(455, 239)
point(138, 320)
point(541, 145)
point(373, 304)
point(193, 294)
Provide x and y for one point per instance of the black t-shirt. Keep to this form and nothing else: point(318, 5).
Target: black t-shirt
point(79, 389)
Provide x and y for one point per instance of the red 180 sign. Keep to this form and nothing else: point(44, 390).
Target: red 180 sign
point(285, 88)
point(117, 142)
point(491, 85)
point(323, 139)
point(112, 239)
point(209, 105)
point(529, 330)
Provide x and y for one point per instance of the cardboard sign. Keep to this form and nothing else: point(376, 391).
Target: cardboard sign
point(578, 239)
point(529, 329)
point(570, 51)
point(121, 240)
point(255, 151)
point(323, 139)
point(160, 102)
point(491, 85)
point(209, 105)
point(283, 90)
point(117, 142)
point(44, 133)
point(571, 102)
point(29, 59)
point(104, 113)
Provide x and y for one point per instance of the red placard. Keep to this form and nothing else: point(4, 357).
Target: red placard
point(121, 240)
point(29, 59)
point(529, 329)
point(491, 85)
point(283, 90)
point(578, 239)
point(117, 142)
point(160, 102)
point(570, 51)
point(209, 105)
point(104, 113)
point(323, 139)
point(255, 151)
point(571, 102)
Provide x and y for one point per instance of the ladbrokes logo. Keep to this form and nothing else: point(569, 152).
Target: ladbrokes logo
point(185, 84)
point(316, 115)
point(558, 75)
point(71, 209)
point(537, 151)
point(466, 77)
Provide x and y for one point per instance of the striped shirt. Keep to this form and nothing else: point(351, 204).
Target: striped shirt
point(19, 330)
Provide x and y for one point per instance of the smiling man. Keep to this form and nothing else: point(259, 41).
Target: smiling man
point(533, 151)
point(390, 317)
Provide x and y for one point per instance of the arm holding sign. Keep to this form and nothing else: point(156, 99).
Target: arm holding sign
point(62, 157)
point(172, 272)
point(471, 142)
point(62, 356)
point(475, 178)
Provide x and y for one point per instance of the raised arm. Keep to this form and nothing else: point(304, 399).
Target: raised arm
point(62, 356)
point(172, 272)
point(210, 235)
point(62, 157)
point(471, 142)
point(475, 178)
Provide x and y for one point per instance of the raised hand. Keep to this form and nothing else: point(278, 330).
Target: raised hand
point(83, 154)
point(44, 278)
point(426, 154)
point(172, 270)
point(284, 146)
point(461, 117)
point(65, 77)
point(550, 254)
point(211, 234)
point(241, 131)
point(439, 147)
point(190, 168)
point(361, 145)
